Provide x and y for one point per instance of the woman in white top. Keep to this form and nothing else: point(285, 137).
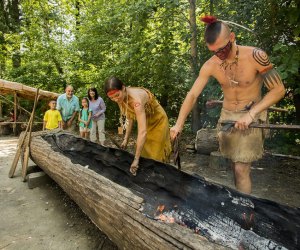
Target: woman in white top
point(98, 108)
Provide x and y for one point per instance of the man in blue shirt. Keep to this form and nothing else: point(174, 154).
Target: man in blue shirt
point(68, 106)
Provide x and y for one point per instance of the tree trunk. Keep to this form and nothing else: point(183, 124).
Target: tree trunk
point(3, 30)
point(211, 7)
point(15, 27)
point(196, 123)
point(206, 141)
point(297, 106)
point(77, 14)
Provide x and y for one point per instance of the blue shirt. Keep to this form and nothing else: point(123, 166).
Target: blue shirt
point(67, 107)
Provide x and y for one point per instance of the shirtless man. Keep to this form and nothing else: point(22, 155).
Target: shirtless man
point(241, 72)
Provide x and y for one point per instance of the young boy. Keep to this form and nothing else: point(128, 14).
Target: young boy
point(52, 117)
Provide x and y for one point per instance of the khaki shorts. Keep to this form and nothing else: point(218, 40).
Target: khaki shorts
point(241, 146)
point(81, 129)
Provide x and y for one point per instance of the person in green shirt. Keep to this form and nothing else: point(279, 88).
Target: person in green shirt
point(84, 118)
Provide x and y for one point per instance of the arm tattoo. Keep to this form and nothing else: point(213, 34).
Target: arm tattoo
point(261, 57)
point(271, 78)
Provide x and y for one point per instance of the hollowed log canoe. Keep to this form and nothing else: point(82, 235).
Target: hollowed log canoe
point(136, 212)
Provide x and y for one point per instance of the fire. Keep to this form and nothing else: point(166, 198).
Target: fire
point(173, 215)
point(160, 208)
point(163, 216)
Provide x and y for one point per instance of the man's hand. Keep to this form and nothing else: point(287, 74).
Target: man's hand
point(134, 166)
point(174, 131)
point(69, 123)
point(244, 122)
point(63, 125)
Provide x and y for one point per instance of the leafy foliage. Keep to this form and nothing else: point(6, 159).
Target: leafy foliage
point(143, 42)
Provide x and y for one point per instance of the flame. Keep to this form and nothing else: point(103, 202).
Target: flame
point(159, 215)
point(160, 208)
point(173, 215)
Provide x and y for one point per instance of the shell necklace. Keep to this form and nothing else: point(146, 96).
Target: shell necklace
point(123, 117)
point(225, 65)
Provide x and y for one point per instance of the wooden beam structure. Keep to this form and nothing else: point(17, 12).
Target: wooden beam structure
point(18, 90)
point(24, 91)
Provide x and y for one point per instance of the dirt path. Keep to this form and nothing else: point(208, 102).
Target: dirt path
point(43, 217)
point(46, 218)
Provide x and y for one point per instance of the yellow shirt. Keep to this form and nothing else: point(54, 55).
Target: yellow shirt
point(52, 117)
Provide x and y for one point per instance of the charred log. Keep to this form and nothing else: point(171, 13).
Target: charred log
point(127, 208)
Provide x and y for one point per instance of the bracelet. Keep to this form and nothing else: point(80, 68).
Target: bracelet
point(251, 115)
point(136, 158)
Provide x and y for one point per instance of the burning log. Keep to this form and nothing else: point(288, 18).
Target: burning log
point(160, 208)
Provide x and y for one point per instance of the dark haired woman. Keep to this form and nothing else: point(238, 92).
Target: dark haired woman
point(153, 139)
point(98, 108)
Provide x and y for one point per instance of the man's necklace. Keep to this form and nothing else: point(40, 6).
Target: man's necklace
point(228, 66)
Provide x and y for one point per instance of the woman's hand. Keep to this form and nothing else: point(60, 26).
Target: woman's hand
point(95, 116)
point(124, 144)
point(134, 166)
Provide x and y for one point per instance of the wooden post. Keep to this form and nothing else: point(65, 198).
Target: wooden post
point(18, 153)
point(1, 113)
point(15, 113)
point(20, 145)
point(26, 153)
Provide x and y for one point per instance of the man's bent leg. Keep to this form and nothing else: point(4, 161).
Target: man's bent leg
point(242, 177)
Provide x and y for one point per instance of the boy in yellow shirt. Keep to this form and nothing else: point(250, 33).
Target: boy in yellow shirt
point(52, 117)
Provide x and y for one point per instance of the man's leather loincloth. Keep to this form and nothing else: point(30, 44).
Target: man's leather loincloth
point(241, 146)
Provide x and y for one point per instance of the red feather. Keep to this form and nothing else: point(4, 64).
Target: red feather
point(209, 19)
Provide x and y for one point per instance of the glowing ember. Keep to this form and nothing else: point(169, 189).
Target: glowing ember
point(165, 217)
point(160, 208)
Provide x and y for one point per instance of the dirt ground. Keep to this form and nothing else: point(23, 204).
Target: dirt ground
point(43, 217)
point(46, 218)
